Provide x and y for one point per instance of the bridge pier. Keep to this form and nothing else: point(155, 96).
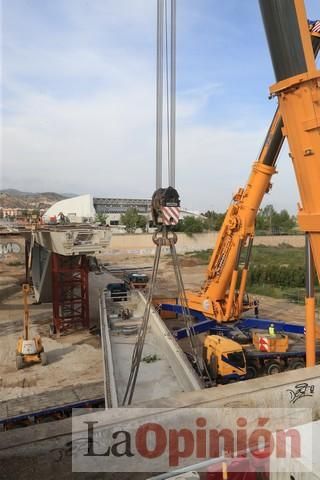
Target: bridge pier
point(70, 293)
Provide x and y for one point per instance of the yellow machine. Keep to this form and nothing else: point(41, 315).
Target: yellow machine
point(293, 50)
point(298, 93)
point(222, 294)
point(225, 358)
point(29, 350)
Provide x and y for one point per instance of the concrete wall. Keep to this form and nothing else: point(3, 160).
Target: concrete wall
point(11, 249)
point(12, 259)
point(12, 246)
point(44, 450)
point(141, 244)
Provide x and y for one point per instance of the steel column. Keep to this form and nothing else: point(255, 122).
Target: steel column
point(310, 308)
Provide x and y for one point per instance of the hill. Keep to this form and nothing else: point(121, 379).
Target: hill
point(11, 198)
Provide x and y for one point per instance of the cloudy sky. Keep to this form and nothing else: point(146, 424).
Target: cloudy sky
point(78, 91)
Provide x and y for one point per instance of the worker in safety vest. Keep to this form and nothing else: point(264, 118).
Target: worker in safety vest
point(272, 331)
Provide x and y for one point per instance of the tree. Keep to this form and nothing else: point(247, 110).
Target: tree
point(101, 218)
point(35, 212)
point(268, 213)
point(190, 225)
point(283, 222)
point(142, 222)
point(273, 222)
point(133, 220)
point(214, 220)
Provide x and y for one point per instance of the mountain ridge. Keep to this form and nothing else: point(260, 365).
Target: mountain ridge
point(14, 198)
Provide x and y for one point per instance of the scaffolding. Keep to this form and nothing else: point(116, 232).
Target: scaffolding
point(70, 292)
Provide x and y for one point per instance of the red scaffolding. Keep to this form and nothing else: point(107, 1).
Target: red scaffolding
point(70, 293)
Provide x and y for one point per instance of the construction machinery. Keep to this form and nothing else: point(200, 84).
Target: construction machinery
point(165, 206)
point(29, 350)
point(165, 203)
point(222, 295)
point(228, 360)
point(219, 305)
point(136, 280)
point(298, 93)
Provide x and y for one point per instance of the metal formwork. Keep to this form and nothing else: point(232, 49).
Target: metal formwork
point(70, 292)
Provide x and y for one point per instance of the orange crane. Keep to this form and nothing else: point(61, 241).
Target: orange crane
point(297, 117)
point(218, 297)
point(222, 295)
point(298, 93)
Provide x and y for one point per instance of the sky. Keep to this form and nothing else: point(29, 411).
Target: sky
point(78, 99)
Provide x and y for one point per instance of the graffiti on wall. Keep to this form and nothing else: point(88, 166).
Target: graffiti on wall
point(9, 248)
point(300, 391)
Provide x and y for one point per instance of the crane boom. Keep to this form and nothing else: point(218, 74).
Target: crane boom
point(219, 297)
point(298, 92)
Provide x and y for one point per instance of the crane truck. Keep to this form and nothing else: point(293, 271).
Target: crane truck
point(219, 305)
point(228, 360)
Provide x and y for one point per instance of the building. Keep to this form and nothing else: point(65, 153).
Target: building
point(75, 210)
point(85, 208)
point(20, 215)
point(10, 212)
point(115, 207)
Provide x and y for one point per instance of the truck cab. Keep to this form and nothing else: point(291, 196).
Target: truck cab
point(117, 291)
point(225, 359)
point(136, 280)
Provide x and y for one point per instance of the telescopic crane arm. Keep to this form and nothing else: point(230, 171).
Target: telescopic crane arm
point(298, 92)
point(221, 296)
point(217, 298)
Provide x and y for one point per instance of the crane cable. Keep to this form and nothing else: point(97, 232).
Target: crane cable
point(165, 239)
point(197, 360)
point(168, 93)
point(164, 72)
point(138, 348)
point(159, 103)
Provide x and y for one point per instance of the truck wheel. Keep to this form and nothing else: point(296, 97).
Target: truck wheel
point(252, 372)
point(213, 368)
point(272, 368)
point(44, 358)
point(295, 364)
point(19, 362)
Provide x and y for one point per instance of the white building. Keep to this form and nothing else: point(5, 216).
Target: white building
point(75, 210)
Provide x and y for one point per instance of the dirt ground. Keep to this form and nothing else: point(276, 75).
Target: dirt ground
point(194, 274)
point(76, 358)
point(73, 359)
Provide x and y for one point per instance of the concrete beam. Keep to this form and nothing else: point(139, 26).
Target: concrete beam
point(73, 240)
point(110, 388)
point(179, 363)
